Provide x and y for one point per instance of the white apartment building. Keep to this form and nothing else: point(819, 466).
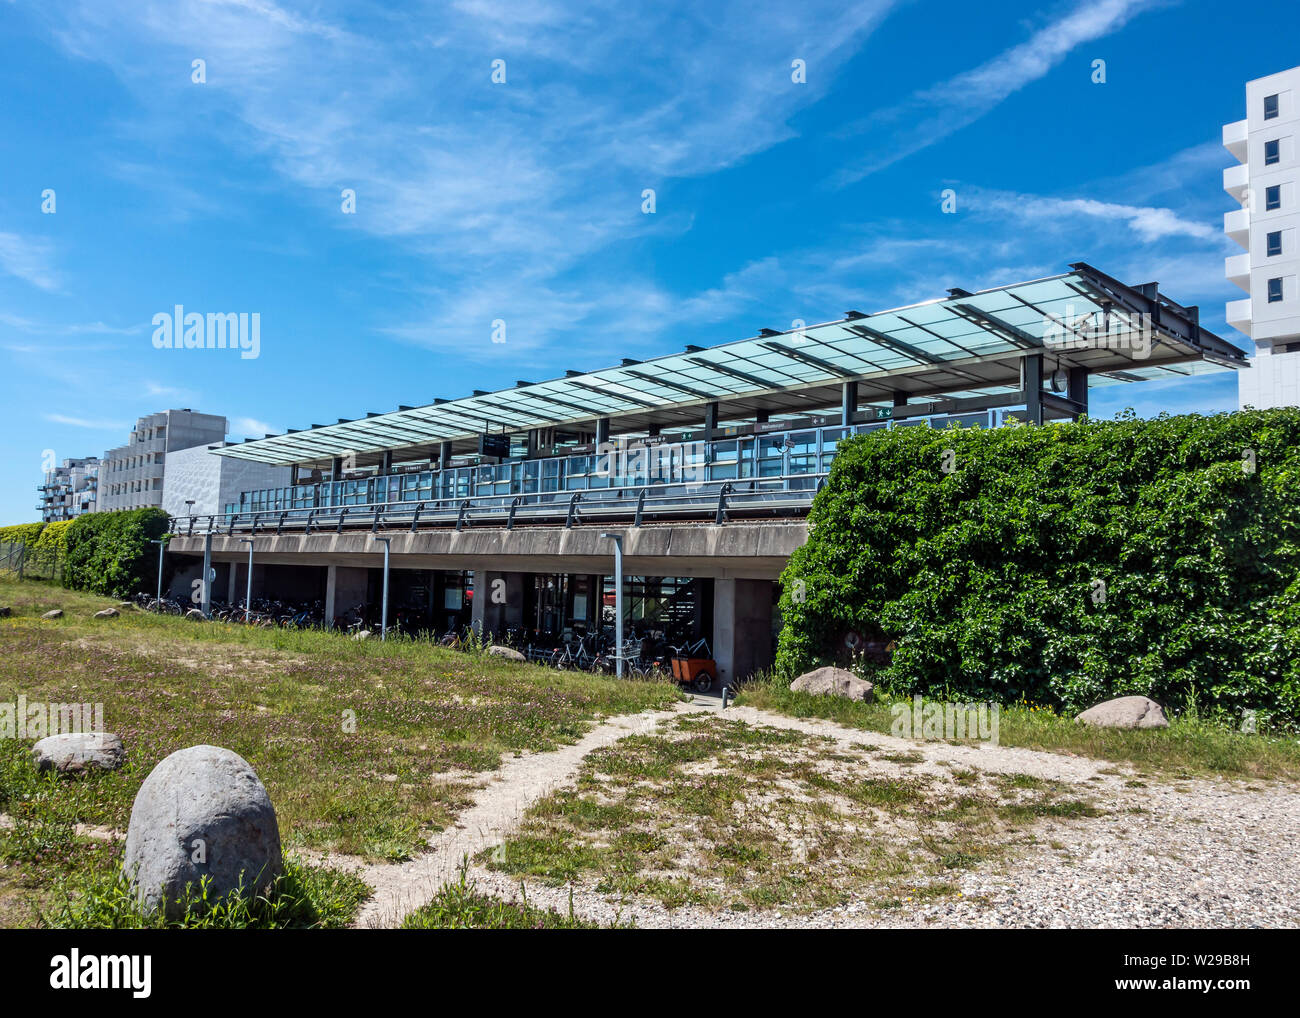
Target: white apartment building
point(131, 476)
point(69, 490)
point(1267, 184)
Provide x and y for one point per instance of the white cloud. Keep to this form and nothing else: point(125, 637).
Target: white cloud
point(29, 259)
point(249, 427)
point(938, 111)
point(82, 422)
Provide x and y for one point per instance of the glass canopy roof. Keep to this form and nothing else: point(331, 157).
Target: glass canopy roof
point(968, 342)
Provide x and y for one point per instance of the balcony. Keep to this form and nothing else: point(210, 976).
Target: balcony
point(1236, 225)
point(1236, 179)
point(1238, 314)
point(1237, 269)
point(1234, 139)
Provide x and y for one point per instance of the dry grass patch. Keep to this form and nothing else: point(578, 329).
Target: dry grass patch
point(718, 813)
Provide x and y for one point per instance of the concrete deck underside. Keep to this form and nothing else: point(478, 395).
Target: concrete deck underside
point(733, 550)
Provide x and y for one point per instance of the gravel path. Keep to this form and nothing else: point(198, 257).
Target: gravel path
point(520, 781)
point(1175, 853)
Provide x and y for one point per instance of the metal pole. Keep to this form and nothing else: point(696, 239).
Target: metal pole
point(162, 543)
point(248, 596)
point(383, 618)
point(205, 604)
point(618, 599)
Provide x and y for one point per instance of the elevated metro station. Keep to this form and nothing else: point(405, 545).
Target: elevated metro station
point(498, 507)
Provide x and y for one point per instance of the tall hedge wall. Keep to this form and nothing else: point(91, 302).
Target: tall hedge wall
point(21, 533)
point(1064, 564)
point(110, 553)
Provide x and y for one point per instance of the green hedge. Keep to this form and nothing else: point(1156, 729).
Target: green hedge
point(52, 546)
point(986, 576)
point(21, 533)
point(110, 554)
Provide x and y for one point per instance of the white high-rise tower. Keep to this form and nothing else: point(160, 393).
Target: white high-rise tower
point(1267, 183)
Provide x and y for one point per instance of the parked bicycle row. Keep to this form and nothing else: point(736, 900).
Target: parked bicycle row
point(647, 654)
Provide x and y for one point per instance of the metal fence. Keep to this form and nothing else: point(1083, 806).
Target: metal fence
point(24, 562)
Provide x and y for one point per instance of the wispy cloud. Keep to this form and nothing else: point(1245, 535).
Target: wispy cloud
point(30, 259)
point(249, 427)
point(83, 422)
point(938, 111)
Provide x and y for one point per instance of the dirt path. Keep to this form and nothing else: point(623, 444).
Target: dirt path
point(1182, 853)
point(400, 888)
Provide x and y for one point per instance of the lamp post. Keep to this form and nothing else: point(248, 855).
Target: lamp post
point(248, 595)
point(162, 543)
point(383, 618)
point(189, 503)
point(618, 599)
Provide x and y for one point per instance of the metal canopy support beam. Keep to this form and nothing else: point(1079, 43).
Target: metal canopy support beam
point(848, 402)
point(710, 419)
point(602, 431)
point(1031, 380)
point(900, 398)
point(386, 462)
point(959, 405)
point(336, 467)
point(1076, 387)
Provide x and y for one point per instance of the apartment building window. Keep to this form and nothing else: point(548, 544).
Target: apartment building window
point(1275, 243)
point(1273, 197)
point(1272, 152)
point(1270, 106)
point(1275, 290)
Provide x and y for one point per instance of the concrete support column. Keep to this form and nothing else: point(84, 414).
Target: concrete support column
point(1031, 380)
point(848, 402)
point(386, 465)
point(742, 628)
point(345, 588)
point(336, 467)
point(602, 430)
point(710, 420)
point(232, 586)
point(444, 455)
point(478, 603)
point(900, 398)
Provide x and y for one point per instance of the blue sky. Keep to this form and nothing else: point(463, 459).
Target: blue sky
point(522, 201)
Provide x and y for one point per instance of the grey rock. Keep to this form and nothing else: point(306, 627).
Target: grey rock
point(202, 812)
point(509, 653)
point(107, 613)
point(1126, 712)
point(834, 682)
point(56, 613)
point(79, 753)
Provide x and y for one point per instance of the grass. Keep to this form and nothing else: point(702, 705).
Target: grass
point(365, 747)
point(1190, 747)
point(460, 906)
point(303, 897)
point(715, 813)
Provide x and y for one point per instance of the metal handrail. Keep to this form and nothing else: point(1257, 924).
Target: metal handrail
point(700, 501)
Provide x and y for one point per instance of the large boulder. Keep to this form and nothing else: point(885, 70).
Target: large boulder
point(54, 613)
point(509, 653)
point(1126, 712)
point(107, 613)
point(79, 752)
point(834, 682)
point(202, 812)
